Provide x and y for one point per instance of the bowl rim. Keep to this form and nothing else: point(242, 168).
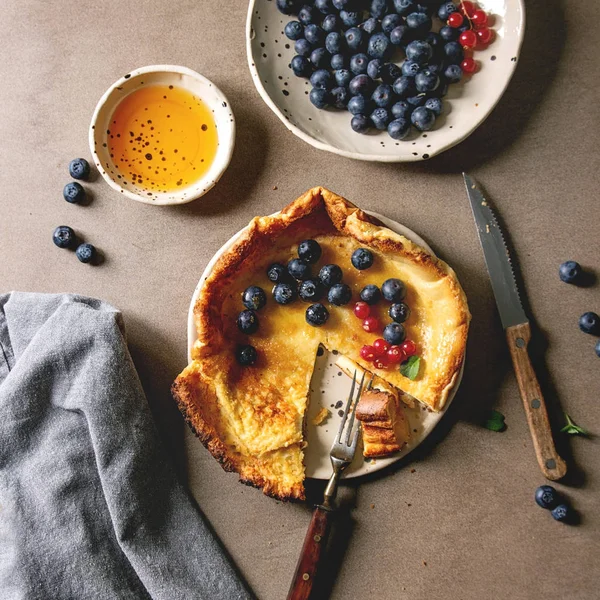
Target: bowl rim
point(358, 155)
point(229, 140)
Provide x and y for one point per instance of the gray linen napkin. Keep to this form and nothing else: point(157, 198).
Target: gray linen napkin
point(89, 507)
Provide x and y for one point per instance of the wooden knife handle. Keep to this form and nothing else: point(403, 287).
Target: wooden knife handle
point(552, 465)
point(310, 557)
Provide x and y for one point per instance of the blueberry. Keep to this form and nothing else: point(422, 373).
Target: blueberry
point(350, 18)
point(306, 15)
point(355, 38)
point(418, 21)
point(463, 28)
point(434, 40)
point(245, 355)
point(426, 81)
point(331, 23)
point(79, 168)
point(453, 73)
point(321, 79)
point(390, 72)
point(410, 68)
point(339, 97)
point(425, 8)
point(85, 253)
point(400, 35)
point(404, 7)
point(325, 6)
point(370, 294)
point(370, 26)
point(422, 118)
point(379, 46)
point(343, 4)
point(361, 84)
point(434, 105)
point(589, 322)
point(334, 42)
point(445, 10)
point(339, 294)
point(374, 68)
point(320, 98)
point(338, 61)
point(343, 77)
point(362, 259)
point(302, 47)
point(299, 269)
point(73, 192)
point(417, 100)
point(404, 86)
point(399, 128)
point(63, 236)
point(330, 275)
point(247, 322)
point(314, 34)
point(284, 293)
point(453, 52)
point(320, 58)
point(301, 66)
point(449, 34)
point(359, 64)
point(379, 8)
point(394, 334)
point(391, 21)
point(311, 290)
point(570, 271)
point(254, 298)
point(278, 273)
point(287, 7)
point(316, 315)
point(562, 512)
point(294, 30)
point(598, 348)
point(360, 123)
point(399, 312)
point(383, 95)
point(546, 496)
point(359, 105)
point(419, 52)
point(309, 251)
point(443, 89)
point(393, 290)
point(401, 110)
point(380, 118)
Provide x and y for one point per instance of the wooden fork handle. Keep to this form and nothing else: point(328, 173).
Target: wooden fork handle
point(552, 465)
point(310, 557)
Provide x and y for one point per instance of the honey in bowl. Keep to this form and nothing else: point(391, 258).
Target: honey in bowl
point(162, 138)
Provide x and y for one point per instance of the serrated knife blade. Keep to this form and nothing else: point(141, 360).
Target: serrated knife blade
point(497, 258)
point(517, 328)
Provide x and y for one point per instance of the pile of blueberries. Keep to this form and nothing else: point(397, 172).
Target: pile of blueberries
point(547, 497)
point(296, 280)
point(347, 49)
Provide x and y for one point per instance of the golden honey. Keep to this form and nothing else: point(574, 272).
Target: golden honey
point(162, 138)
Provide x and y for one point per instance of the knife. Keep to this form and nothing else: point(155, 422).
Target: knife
point(517, 328)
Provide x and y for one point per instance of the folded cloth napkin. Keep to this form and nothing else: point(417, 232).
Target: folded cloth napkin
point(89, 506)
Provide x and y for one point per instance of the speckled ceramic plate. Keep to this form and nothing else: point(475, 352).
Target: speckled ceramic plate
point(465, 107)
point(329, 385)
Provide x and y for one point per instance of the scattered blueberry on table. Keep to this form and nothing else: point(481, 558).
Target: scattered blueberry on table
point(74, 193)
point(570, 271)
point(63, 236)
point(79, 168)
point(589, 322)
point(546, 497)
point(85, 252)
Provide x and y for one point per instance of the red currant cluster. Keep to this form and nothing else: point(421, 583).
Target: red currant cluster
point(477, 36)
point(380, 353)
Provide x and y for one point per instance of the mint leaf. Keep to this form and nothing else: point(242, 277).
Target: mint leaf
point(495, 421)
point(573, 429)
point(410, 367)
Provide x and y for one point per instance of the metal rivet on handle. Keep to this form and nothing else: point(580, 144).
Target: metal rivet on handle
point(306, 576)
point(551, 463)
point(535, 403)
point(520, 342)
point(317, 538)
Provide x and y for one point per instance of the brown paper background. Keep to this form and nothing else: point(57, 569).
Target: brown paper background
point(467, 510)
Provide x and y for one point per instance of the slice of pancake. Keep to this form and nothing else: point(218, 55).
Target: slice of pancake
point(251, 417)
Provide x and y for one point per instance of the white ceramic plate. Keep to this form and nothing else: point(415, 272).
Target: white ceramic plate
point(465, 107)
point(328, 386)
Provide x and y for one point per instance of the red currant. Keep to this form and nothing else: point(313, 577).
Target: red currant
point(479, 18)
point(395, 355)
point(468, 65)
point(381, 362)
point(455, 20)
point(485, 35)
point(380, 346)
point(368, 353)
point(409, 348)
point(371, 324)
point(362, 310)
point(467, 8)
point(467, 38)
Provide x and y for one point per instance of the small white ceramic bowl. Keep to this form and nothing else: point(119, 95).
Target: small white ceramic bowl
point(465, 107)
point(181, 77)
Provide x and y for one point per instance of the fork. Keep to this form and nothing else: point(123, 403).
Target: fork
point(341, 454)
